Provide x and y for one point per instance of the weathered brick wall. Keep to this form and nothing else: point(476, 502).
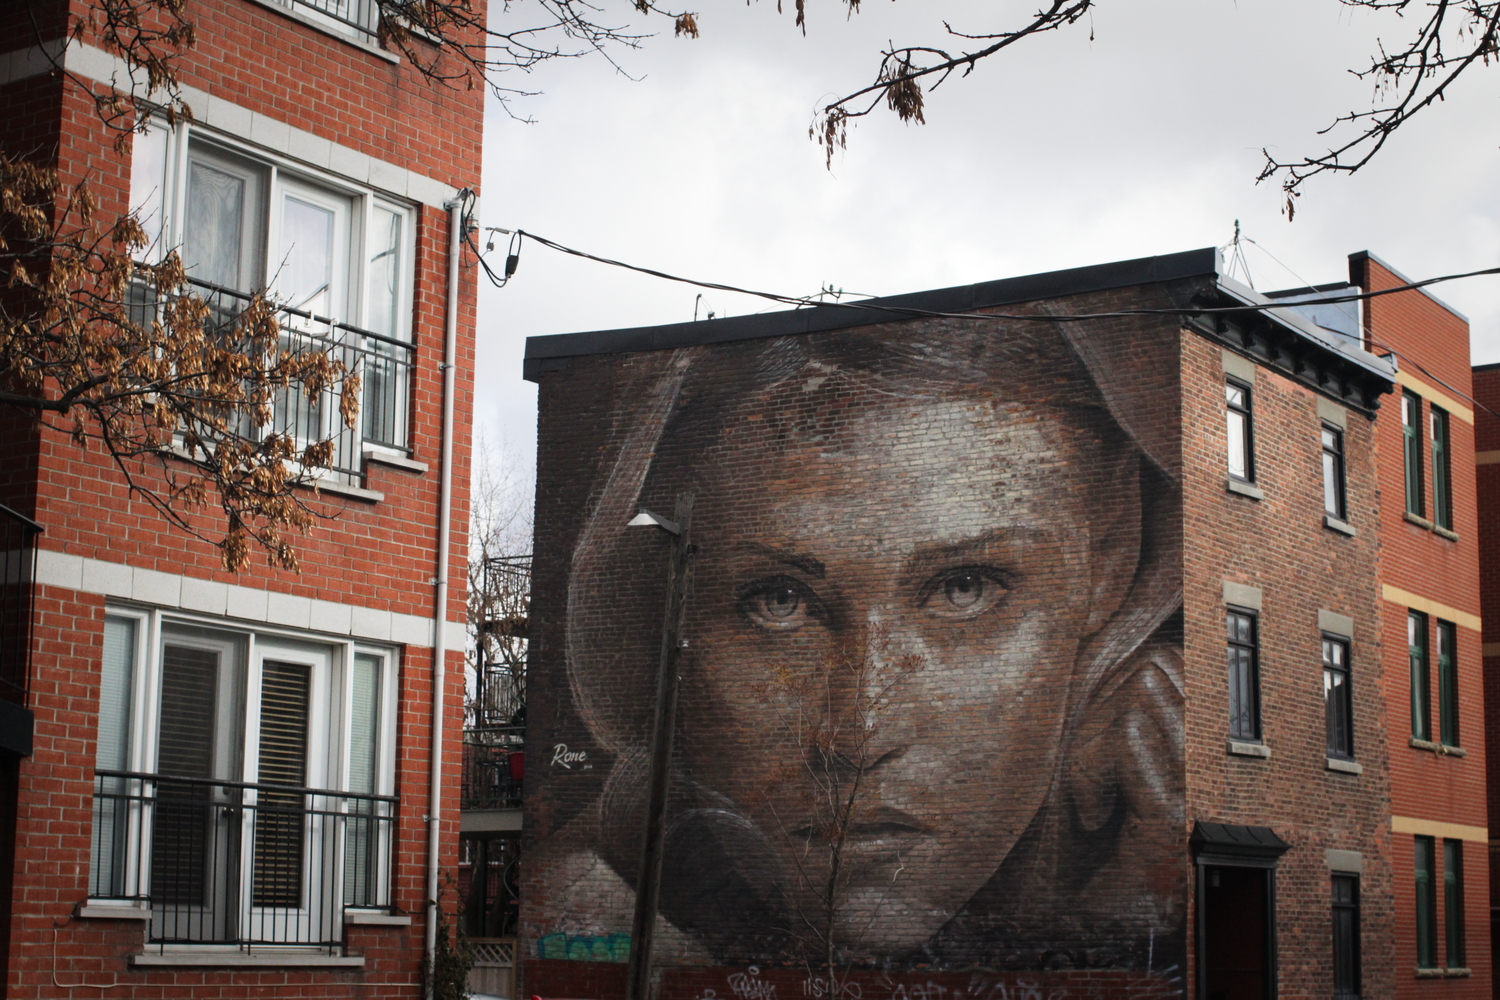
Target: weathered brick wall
point(1280, 545)
point(1432, 344)
point(845, 486)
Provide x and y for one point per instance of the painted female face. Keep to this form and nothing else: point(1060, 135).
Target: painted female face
point(889, 603)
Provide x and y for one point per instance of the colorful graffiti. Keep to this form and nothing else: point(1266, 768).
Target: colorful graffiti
point(585, 948)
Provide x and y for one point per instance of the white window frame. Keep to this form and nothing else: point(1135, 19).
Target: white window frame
point(330, 720)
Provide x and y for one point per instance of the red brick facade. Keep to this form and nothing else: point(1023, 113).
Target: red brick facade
point(310, 101)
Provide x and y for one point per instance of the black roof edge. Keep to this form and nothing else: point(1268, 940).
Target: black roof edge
point(1485, 368)
point(1332, 286)
point(1360, 255)
point(960, 298)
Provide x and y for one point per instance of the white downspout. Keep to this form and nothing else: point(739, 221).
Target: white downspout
point(440, 619)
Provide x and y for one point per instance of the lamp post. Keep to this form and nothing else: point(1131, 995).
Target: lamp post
point(648, 884)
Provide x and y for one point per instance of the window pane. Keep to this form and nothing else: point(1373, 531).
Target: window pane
point(1453, 902)
point(304, 276)
point(364, 735)
point(1416, 638)
point(1447, 685)
point(1237, 450)
point(1244, 710)
point(148, 176)
point(111, 809)
point(1345, 936)
point(1411, 409)
point(214, 234)
point(186, 741)
point(279, 816)
point(1426, 904)
point(1442, 502)
point(385, 273)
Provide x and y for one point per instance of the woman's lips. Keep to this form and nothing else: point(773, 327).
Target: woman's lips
point(866, 827)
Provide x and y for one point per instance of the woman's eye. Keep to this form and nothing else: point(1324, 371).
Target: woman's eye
point(963, 593)
point(778, 603)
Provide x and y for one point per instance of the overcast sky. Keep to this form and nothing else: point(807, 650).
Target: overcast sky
point(1061, 153)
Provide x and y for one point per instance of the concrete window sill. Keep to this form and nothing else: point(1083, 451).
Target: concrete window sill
point(1342, 527)
point(1438, 748)
point(1239, 749)
point(213, 958)
point(1438, 529)
point(381, 456)
point(1344, 766)
point(345, 490)
point(1420, 522)
point(110, 911)
point(1244, 489)
point(375, 918)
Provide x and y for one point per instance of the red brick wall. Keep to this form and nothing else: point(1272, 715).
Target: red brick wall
point(1279, 545)
point(375, 555)
point(1432, 345)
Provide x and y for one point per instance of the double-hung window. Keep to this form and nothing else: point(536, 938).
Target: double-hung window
point(334, 257)
point(244, 780)
point(1416, 648)
point(1447, 664)
point(1239, 429)
point(1334, 504)
point(1244, 675)
point(1411, 435)
point(1442, 477)
point(1345, 936)
point(1338, 703)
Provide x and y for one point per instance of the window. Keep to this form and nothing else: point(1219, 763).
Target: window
point(1411, 429)
point(1345, 936)
point(334, 256)
point(1244, 680)
point(1447, 684)
point(1442, 480)
point(1239, 427)
point(1426, 905)
point(1453, 902)
point(1416, 644)
point(1338, 705)
point(244, 781)
point(1333, 472)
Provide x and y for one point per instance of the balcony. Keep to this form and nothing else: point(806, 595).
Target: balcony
point(384, 366)
point(358, 19)
point(494, 767)
point(246, 864)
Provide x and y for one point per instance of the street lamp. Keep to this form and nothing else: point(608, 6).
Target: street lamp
point(648, 884)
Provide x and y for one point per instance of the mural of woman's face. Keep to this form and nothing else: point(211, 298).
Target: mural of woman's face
point(890, 598)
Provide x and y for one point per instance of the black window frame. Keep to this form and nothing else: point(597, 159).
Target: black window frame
point(1447, 671)
point(1417, 650)
point(1338, 699)
point(1335, 501)
point(1411, 430)
point(1243, 657)
point(1454, 950)
point(1424, 863)
point(1247, 414)
point(1344, 897)
point(1442, 467)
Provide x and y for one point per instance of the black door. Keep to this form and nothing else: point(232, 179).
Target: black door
point(1236, 933)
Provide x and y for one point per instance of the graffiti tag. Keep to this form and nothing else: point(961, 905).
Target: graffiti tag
point(747, 986)
point(567, 758)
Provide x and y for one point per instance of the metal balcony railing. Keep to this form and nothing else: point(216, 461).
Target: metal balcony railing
point(18, 535)
point(384, 366)
point(494, 767)
point(359, 19)
point(239, 863)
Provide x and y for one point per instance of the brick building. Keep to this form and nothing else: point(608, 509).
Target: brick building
point(1041, 637)
point(227, 785)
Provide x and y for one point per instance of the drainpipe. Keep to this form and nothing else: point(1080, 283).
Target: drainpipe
point(440, 597)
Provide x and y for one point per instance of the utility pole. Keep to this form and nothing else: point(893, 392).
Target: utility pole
point(663, 727)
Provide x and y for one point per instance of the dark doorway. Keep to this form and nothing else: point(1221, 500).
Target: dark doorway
point(1236, 933)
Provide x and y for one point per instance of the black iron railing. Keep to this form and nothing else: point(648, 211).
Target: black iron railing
point(18, 535)
point(358, 18)
point(240, 863)
point(383, 364)
point(494, 767)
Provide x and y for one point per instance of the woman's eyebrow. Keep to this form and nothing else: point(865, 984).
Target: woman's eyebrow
point(805, 563)
point(999, 542)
